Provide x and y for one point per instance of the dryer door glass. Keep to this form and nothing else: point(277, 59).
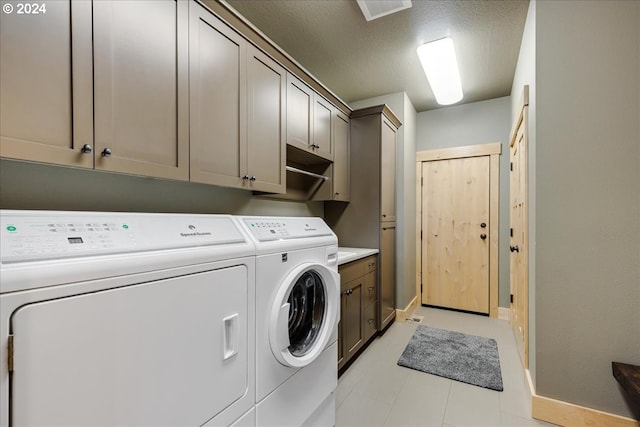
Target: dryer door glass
point(306, 312)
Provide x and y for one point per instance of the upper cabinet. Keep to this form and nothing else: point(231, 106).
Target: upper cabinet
point(141, 102)
point(175, 89)
point(266, 90)
point(341, 184)
point(237, 97)
point(46, 107)
point(388, 131)
point(122, 64)
point(309, 118)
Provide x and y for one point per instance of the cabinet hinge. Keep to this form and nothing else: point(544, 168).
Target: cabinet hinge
point(420, 288)
point(420, 234)
point(511, 298)
point(421, 181)
point(10, 353)
point(511, 232)
point(511, 166)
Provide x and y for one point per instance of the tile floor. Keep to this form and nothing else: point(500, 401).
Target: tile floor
point(375, 391)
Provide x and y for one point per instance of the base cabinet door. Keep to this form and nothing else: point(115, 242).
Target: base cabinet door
point(141, 83)
point(352, 327)
point(387, 298)
point(46, 102)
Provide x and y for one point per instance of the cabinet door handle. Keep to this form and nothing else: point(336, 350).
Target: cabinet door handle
point(253, 178)
point(371, 321)
point(245, 178)
point(86, 149)
point(106, 152)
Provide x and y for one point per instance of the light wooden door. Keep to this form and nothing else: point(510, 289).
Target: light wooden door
point(518, 241)
point(455, 223)
point(141, 83)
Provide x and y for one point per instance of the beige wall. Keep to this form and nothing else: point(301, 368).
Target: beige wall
point(587, 199)
point(37, 186)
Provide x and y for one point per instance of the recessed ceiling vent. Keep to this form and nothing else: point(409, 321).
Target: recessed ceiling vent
point(373, 9)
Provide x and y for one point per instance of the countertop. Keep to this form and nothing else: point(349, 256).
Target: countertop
point(346, 255)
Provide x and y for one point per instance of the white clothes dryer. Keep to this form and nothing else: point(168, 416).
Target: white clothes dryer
point(297, 313)
point(126, 319)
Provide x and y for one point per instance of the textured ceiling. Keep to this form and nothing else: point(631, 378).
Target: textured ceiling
point(356, 59)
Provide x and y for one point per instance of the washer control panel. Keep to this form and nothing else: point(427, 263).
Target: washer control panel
point(34, 235)
point(267, 229)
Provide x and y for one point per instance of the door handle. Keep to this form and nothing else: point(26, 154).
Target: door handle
point(514, 248)
point(483, 236)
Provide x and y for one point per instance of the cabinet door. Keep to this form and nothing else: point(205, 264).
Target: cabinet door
point(341, 158)
point(218, 140)
point(141, 87)
point(388, 171)
point(387, 296)
point(352, 327)
point(46, 110)
point(266, 105)
point(299, 113)
point(322, 118)
point(343, 308)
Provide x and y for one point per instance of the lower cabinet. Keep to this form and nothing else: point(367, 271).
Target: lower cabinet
point(358, 302)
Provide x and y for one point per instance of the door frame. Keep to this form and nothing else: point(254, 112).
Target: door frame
point(493, 150)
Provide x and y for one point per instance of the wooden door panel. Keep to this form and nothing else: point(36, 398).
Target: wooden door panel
point(518, 243)
point(456, 257)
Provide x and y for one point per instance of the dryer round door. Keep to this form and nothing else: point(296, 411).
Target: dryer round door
point(304, 314)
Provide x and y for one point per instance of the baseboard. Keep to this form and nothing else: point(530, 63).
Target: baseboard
point(402, 315)
point(503, 313)
point(570, 415)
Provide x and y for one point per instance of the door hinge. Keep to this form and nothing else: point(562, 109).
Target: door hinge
point(511, 298)
point(511, 232)
point(10, 353)
point(420, 234)
point(511, 166)
point(421, 288)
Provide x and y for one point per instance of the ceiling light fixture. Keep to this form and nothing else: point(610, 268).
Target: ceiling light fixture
point(438, 59)
point(373, 9)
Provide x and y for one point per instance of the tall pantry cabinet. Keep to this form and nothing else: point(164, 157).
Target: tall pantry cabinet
point(369, 220)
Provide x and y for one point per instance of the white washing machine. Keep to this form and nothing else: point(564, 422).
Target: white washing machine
point(297, 313)
point(126, 319)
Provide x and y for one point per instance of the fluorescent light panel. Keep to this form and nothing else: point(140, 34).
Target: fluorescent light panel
point(373, 9)
point(438, 59)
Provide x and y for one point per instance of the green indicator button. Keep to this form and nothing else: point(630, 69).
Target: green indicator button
point(11, 228)
point(125, 226)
